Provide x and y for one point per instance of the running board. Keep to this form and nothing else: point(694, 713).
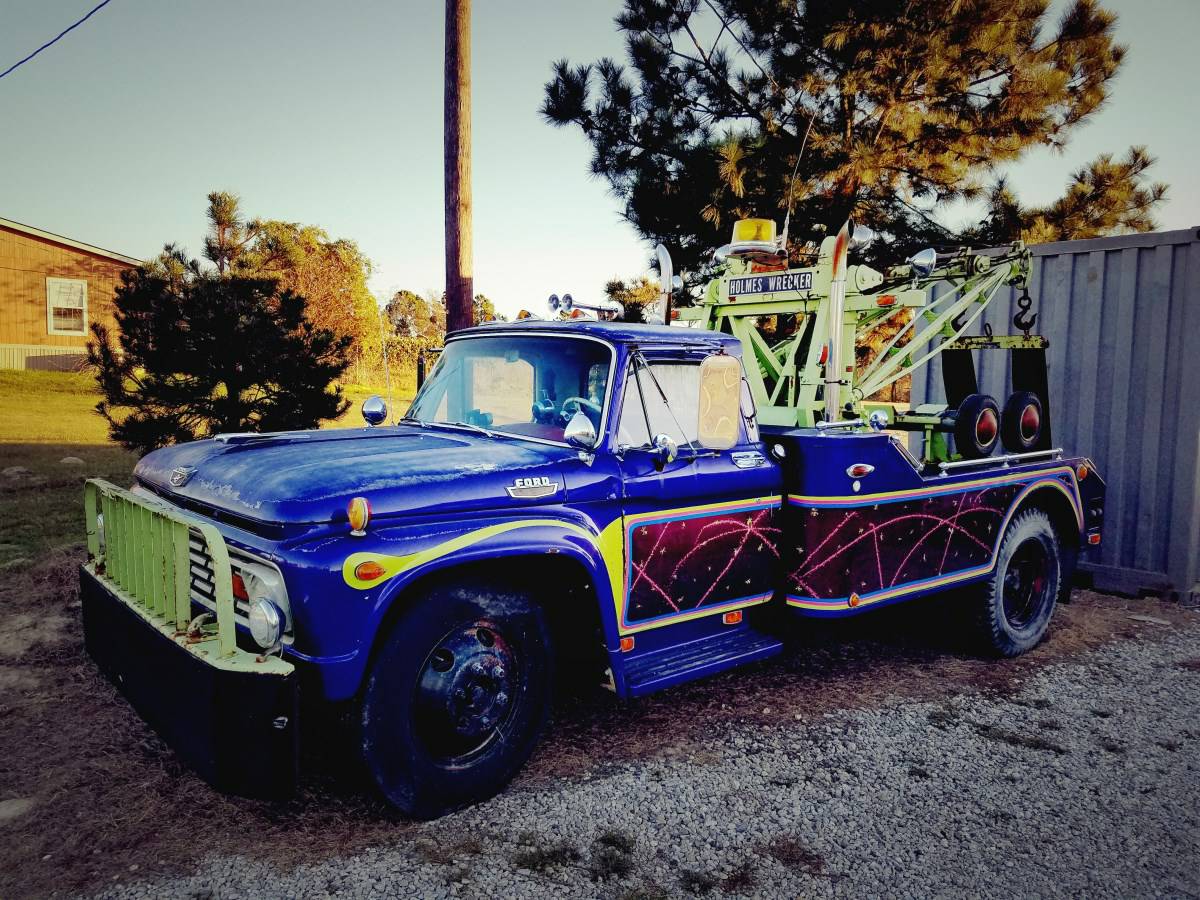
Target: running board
point(659, 669)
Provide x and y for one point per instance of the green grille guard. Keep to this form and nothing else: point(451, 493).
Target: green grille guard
point(144, 558)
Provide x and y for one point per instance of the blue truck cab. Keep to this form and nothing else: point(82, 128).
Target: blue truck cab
point(558, 495)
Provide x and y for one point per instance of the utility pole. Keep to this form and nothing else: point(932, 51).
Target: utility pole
point(460, 282)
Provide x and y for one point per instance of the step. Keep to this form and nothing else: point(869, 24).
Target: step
point(658, 669)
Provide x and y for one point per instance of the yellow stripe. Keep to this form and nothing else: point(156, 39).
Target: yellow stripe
point(951, 487)
point(395, 565)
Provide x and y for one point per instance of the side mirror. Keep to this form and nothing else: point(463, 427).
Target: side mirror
point(580, 432)
point(666, 450)
point(374, 410)
point(720, 401)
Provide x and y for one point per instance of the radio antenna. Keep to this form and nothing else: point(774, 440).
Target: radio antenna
point(787, 219)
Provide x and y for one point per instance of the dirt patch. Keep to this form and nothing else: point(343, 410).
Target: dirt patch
point(110, 796)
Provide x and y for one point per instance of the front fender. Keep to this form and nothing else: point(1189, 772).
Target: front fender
point(376, 576)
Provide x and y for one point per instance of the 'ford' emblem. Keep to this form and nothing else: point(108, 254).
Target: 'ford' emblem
point(181, 474)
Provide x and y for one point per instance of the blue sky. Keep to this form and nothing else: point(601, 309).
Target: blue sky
point(331, 113)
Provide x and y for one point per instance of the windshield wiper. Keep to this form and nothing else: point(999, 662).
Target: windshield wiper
point(478, 429)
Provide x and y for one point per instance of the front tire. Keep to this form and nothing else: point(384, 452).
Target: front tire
point(456, 698)
point(1016, 603)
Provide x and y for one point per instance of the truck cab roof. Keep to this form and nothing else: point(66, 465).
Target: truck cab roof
point(615, 332)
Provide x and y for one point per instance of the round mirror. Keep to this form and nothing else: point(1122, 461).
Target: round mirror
point(580, 432)
point(667, 447)
point(374, 410)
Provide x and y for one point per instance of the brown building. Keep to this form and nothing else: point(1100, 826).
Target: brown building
point(52, 289)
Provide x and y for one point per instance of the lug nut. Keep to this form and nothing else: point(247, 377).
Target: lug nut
point(477, 669)
point(498, 671)
point(501, 698)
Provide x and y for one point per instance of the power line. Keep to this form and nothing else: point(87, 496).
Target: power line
point(55, 40)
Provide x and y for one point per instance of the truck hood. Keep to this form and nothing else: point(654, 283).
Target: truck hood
point(310, 476)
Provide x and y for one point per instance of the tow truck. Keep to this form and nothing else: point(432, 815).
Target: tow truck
point(654, 503)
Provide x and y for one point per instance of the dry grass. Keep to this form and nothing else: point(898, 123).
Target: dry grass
point(792, 853)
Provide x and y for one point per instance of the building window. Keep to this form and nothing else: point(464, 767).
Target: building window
point(66, 306)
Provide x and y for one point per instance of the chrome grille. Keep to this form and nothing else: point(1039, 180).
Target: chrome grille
point(202, 586)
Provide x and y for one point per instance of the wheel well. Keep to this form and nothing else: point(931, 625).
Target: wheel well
point(560, 585)
point(1062, 514)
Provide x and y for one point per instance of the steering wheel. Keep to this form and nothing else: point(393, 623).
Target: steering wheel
point(572, 405)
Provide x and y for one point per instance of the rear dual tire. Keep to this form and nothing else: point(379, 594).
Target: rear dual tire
point(1015, 605)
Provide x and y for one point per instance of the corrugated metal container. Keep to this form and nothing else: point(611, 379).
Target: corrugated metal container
point(1123, 318)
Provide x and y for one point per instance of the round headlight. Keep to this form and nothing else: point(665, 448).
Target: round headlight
point(266, 623)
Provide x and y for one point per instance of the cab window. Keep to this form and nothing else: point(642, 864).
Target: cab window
point(526, 385)
point(680, 382)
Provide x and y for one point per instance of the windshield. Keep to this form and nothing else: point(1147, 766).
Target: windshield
point(524, 385)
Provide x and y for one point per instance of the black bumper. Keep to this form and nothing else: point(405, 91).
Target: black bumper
point(237, 730)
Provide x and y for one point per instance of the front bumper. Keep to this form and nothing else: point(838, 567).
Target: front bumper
point(233, 719)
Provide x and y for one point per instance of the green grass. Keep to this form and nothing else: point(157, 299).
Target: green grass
point(45, 416)
point(44, 510)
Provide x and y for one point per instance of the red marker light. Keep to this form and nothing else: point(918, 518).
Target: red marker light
point(854, 600)
point(824, 355)
point(732, 618)
point(1093, 539)
point(626, 644)
point(886, 300)
point(239, 588)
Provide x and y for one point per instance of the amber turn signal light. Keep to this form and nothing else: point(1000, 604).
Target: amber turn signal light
point(369, 571)
point(732, 618)
point(626, 644)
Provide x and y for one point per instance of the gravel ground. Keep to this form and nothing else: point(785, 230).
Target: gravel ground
point(1083, 782)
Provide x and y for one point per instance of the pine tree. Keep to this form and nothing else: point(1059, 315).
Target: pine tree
point(202, 353)
point(883, 110)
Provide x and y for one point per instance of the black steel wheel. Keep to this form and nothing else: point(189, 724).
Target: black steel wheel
point(464, 695)
point(1015, 605)
point(456, 698)
point(977, 427)
point(1021, 422)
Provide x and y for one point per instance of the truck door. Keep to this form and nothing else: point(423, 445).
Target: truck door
point(701, 532)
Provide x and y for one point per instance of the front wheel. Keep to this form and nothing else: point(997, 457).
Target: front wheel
point(1015, 605)
point(456, 698)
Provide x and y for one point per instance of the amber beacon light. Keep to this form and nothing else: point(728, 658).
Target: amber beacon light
point(359, 513)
